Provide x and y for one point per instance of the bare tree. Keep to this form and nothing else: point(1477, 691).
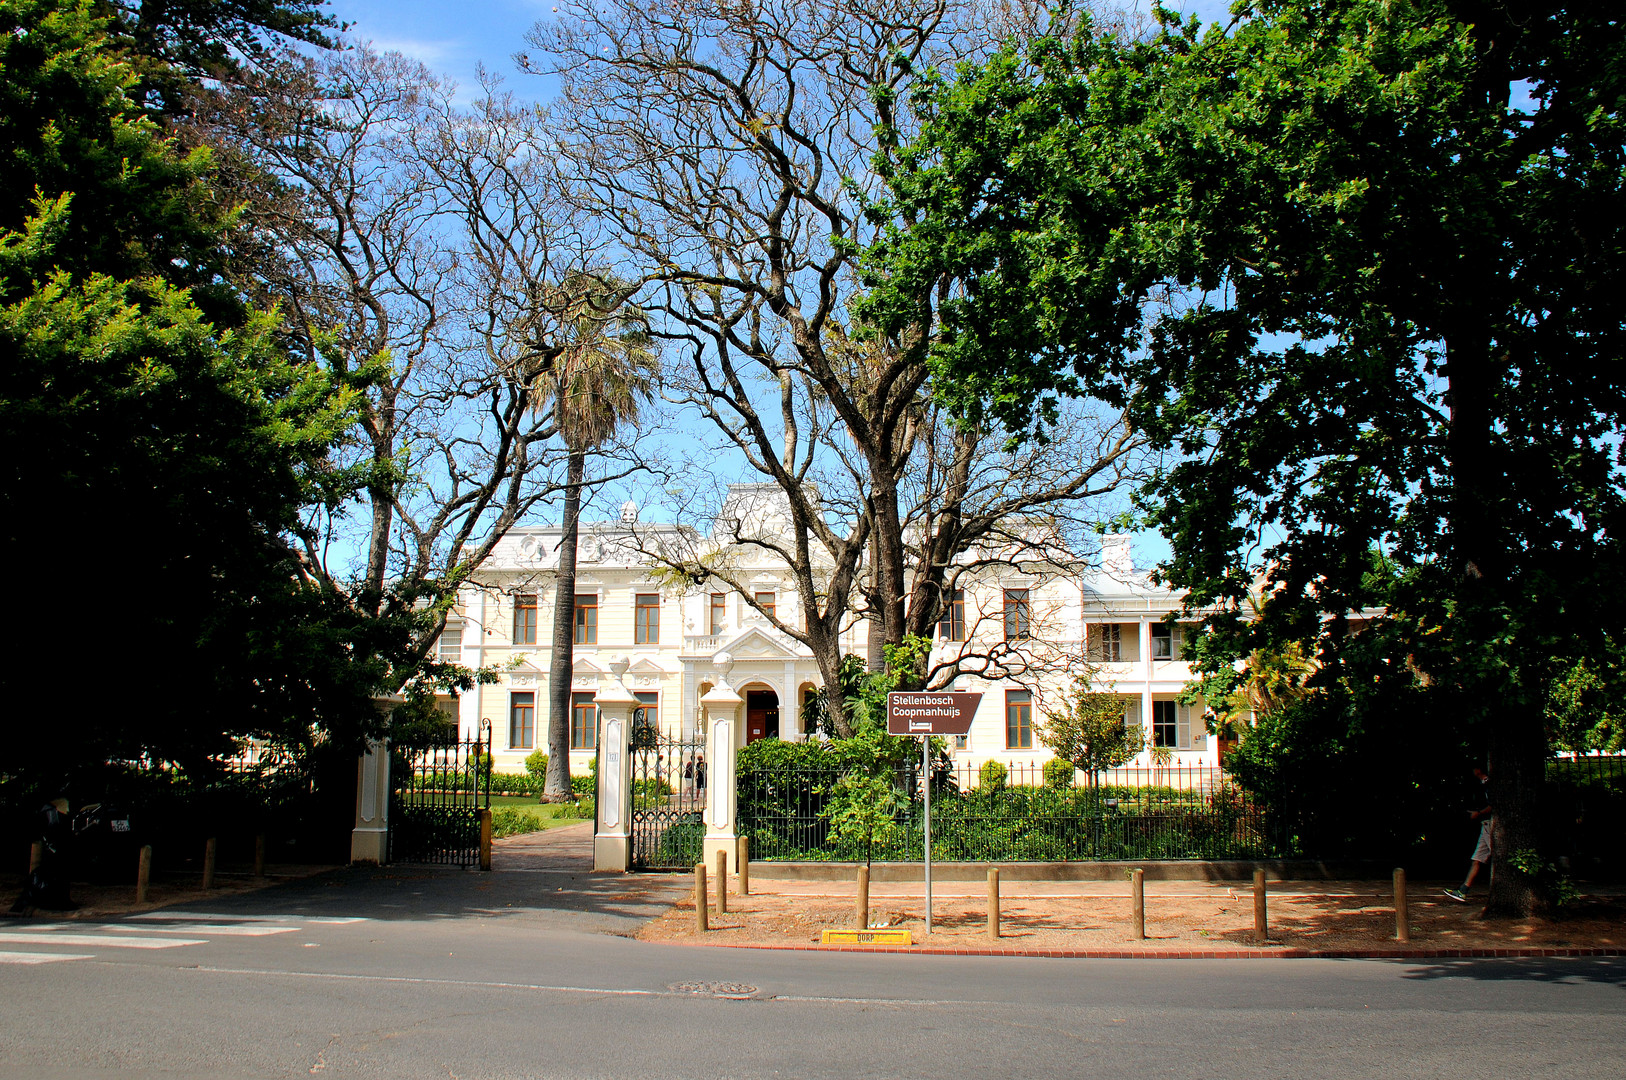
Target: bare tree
point(418, 249)
point(733, 147)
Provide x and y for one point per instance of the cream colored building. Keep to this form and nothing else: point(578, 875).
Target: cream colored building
point(680, 640)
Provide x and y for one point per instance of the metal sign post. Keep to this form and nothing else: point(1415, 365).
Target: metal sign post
point(926, 779)
point(928, 713)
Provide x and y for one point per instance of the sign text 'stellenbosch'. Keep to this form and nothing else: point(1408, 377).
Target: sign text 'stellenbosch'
point(930, 713)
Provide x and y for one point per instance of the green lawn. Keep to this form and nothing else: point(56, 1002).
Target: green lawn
point(547, 815)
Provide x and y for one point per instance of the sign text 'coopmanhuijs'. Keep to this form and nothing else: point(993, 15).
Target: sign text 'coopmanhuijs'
point(920, 712)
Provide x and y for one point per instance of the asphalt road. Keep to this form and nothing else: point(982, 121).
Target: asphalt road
point(408, 973)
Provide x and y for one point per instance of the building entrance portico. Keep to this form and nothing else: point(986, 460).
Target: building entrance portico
point(761, 714)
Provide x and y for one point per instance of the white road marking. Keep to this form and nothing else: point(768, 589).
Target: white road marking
point(39, 957)
point(210, 916)
point(237, 930)
point(112, 941)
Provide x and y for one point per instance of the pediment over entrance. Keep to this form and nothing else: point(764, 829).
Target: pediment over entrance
point(755, 644)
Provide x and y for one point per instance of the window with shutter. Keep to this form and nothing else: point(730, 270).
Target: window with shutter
point(451, 644)
point(1137, 737)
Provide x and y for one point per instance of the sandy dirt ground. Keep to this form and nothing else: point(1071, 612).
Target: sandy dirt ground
point(1334, 917)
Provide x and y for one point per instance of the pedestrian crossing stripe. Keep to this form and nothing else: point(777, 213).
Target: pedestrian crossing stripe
point(39, 957)
point(213, 916)
point(111, 941)
point(221, 930)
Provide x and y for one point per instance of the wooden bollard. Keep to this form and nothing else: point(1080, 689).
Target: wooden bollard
point(259, 855)
point(143, 873)
point(745, 866)
point(993, 903)
point(700, 923)
point(1137, 903)
point(209, 863)
point(36, 855)
point(485, 839)
point(1402, 907)
point(1261, 925)
point(863, 898)
point(722, 882)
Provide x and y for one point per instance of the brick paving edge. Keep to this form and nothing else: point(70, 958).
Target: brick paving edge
point(1490, 952)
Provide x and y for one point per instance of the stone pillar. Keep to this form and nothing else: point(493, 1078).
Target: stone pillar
point(370, 836)
point(722, 711)
point(612, 844)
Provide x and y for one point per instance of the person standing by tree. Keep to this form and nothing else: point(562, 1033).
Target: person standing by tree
point(1486, 815)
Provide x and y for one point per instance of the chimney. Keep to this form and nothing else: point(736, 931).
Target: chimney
point(1116, 561)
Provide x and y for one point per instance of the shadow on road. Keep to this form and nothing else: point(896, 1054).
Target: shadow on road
point(1608, 970)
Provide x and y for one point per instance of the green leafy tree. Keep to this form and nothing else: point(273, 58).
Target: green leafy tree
point(1363, 258)
point(160, 443)
point(1089, 731)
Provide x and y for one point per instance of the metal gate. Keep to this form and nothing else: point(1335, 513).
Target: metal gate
point(669, 779)
point(437, 793)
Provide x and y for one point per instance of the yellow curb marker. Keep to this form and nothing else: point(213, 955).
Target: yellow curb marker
point(867, 937)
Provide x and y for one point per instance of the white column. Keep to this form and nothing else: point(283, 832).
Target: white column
point(790, 706)
point(722, 718)
point(1143, 642)
point(370, 837)
point(612, 844)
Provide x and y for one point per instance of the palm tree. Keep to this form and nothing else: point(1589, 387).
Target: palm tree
point(603, 375)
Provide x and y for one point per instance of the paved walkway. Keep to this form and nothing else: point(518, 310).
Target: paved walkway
point(566, 849)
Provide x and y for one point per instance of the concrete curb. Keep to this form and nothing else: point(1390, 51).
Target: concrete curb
point(1266, 953)
point(1155, 869)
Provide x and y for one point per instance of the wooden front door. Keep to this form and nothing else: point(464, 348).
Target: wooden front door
point(761, 715)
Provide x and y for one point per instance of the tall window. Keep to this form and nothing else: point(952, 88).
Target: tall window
point(451, 644)
point(1018, 720)
point(587, 620)
point(765, 601)
point(583, 722)
point(525, 619)
point(1109, 642)
point(1165, 724)
point(646, 622)
point(1164, 638)
point(521, 720)
point(1018, 616)
point(648, 712)
point(952, 625)
point(719, 612)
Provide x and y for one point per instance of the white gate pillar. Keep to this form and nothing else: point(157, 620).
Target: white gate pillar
point(370, 836)
point(722, 707)
point(612, 843)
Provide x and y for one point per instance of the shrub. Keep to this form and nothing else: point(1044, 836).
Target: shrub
point(1058, 773)
point(512, 821)
point(992, 775)
point(584, 785)
point(536, 763)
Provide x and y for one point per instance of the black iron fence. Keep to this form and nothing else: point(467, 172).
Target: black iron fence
point(438, 792)
point(1015, 812)
point(1584, 818)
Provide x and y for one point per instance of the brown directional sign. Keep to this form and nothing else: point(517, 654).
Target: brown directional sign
point(930, 713)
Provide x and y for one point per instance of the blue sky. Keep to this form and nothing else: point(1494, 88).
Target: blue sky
point(453, 38)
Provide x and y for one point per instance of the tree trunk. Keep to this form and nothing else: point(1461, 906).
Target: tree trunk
point(557, 785)
point(1480, 548)
point(1517, 771)
point(378, 549)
